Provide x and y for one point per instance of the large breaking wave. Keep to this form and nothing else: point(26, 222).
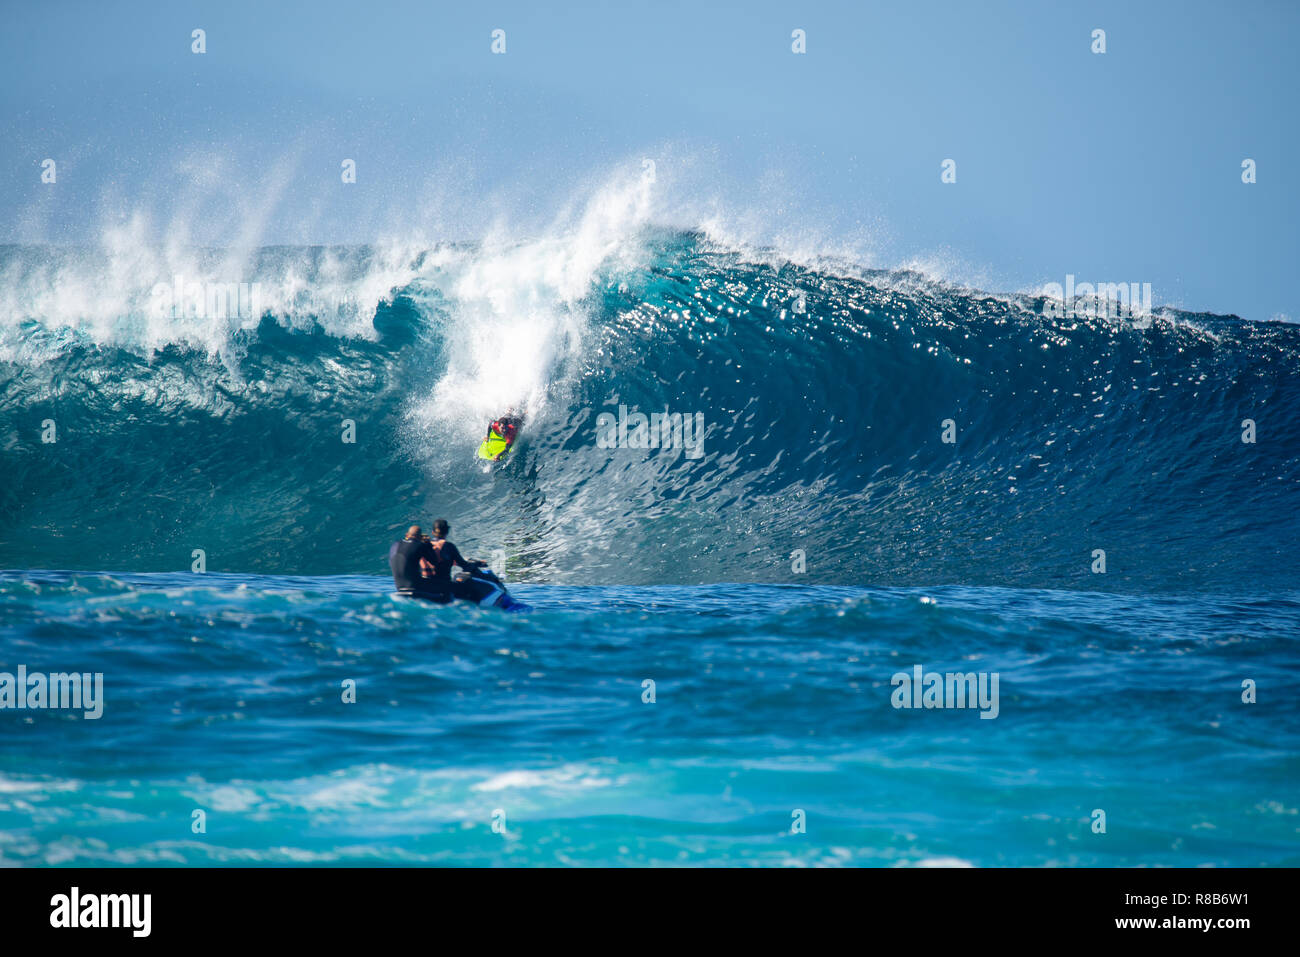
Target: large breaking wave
point(823, 386)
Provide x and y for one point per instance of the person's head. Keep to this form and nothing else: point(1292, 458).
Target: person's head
point(441, 528)
point(413, 533)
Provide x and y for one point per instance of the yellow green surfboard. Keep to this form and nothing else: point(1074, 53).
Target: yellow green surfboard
point(492, 447)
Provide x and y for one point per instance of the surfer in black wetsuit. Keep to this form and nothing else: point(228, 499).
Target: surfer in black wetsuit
point(446, 555)
point(405, 559)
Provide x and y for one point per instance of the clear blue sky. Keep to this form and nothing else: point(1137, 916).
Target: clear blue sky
point(1119, 167)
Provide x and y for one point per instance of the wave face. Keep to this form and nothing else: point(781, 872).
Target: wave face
point(823, 390)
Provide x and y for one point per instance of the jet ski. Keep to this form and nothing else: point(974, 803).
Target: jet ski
point(481, 587)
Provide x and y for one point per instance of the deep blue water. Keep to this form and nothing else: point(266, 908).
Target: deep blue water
point(824, 539)
point(223, 693)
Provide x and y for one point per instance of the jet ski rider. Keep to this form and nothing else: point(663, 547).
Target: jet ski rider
point(445, 555)
point(406, 559)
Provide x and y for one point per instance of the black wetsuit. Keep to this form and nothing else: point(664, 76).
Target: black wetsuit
point(445, 555)
point(404, 559)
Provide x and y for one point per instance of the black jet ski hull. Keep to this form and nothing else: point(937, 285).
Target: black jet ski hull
point(481, 587)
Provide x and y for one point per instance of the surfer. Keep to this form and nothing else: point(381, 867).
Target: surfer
point(406, 559)
point(501, 434)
